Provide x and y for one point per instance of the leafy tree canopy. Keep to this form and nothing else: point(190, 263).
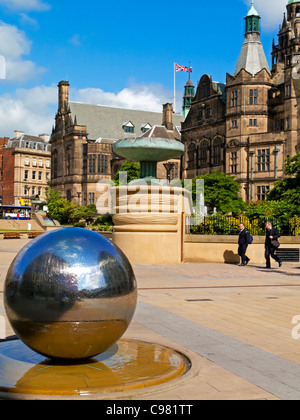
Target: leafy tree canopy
point(132, 169)
point(68, 213)
point(221, 192)
point(288, 190)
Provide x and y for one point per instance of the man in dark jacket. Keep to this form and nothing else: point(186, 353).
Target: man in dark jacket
point(243, 245)
point(272, 234)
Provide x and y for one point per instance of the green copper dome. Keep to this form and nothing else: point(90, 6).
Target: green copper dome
point(252, 11)
point(252, 20)
point(293, 1)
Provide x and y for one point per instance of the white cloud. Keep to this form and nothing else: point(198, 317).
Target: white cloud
point(2, 67)
point(13, 42)
point(28, 110)
point(26, 5)
point(271, 12)
point(22, 71)
point(13, 46)
point(33, 110)
point(147, 98)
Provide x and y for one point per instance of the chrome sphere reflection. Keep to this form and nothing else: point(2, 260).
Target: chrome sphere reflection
point(70, 294)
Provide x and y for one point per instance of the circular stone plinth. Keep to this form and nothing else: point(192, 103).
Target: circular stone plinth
point(127, 366)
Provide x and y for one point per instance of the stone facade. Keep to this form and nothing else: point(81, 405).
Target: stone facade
point(6, 173)
point(204, 130)
point(82, 144)
point(25, 168)
point(77, 164)
point(248, 127)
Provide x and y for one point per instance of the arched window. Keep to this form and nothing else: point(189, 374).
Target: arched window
point(217, 151)
point(68, 160)
point(69, 196)
point(192, 156)
point(55, 164)
point(203, 154)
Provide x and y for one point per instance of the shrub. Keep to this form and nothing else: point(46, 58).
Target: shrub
point(295, 226)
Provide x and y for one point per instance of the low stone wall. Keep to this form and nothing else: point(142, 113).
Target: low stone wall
point(19, 225)
point(224, 249)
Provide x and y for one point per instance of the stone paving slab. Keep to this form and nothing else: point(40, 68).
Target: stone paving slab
point(274, 374)
point(234, 322)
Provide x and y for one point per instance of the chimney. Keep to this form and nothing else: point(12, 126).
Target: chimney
point(18, 134)
point(63, 94)
point(168, 116)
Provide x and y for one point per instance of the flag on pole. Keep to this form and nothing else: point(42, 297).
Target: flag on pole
point(183, 68)
point(178, 68)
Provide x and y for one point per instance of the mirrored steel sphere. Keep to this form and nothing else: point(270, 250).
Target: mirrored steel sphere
point(70, 294)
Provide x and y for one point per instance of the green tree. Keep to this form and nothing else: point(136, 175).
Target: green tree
point(132, 169)
point(83, 215)
point(89, 213)
point(288, 190)
point(277, 212)
point(69, 213)
point(221, 192)
point(60, 209)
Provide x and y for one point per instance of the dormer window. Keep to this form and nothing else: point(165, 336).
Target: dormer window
point(145, 127)
point(128, 127)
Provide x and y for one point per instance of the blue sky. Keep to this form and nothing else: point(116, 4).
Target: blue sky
point(115, 53)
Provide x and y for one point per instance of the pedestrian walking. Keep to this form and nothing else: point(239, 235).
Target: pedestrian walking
point(243, 245)
point(271, 245)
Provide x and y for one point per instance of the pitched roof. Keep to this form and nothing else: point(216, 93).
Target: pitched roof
point(252, 57)
point(29, 142)
point(160, 131)
point(106, 122)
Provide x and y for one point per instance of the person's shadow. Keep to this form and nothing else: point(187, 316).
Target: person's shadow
point(231, 258)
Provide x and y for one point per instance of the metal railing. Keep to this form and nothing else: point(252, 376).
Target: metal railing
point(229, 225)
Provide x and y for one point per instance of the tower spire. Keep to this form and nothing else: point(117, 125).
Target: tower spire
point(189, 93)
point(252, 20)
point(252, 57)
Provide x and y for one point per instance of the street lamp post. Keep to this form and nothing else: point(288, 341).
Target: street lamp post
point(276, 151)
point(251, 153)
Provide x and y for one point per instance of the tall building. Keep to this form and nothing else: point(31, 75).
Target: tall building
point(248, 127)
point(82, 143)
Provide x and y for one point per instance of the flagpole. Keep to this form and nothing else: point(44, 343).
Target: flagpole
point(174, 110)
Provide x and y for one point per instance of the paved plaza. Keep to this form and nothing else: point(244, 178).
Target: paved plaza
point(234, 323)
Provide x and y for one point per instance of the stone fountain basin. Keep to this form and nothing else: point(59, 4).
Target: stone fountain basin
point(149, 149)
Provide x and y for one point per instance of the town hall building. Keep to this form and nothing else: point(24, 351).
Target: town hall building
point(82, 143)
point(249, 126)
